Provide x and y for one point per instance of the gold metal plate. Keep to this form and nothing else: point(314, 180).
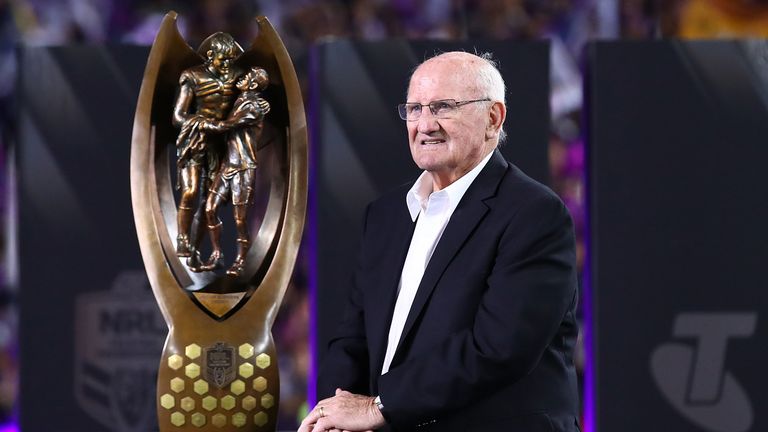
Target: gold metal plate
point(238, 420)
point(177, 419)
point(167, 401)
point(263, 360)
point(267, 401)
point(260, 418)
point(175, 362)
point(198, 419)
point(228, 402)
point(246, 370)
point(237, 387)
point(219, 304)
point(245, 350)
point(177, 385)
point(249, 403)
point(192, 351)
point(209, 403)
point(260, 384)
point(187, 404)
point(192, 370)
point(201, 387)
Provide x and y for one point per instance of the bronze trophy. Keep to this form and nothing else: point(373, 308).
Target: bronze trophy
point(219, 152)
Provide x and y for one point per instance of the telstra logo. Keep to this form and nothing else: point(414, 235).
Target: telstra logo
point(694, 379)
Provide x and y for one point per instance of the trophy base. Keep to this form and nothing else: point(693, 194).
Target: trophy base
point(230, 384)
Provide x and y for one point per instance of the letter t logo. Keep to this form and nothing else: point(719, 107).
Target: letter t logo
point(694, 379)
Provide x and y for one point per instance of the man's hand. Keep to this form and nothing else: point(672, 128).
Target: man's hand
point(263, 106)
point(343, 412)
point(209, 125)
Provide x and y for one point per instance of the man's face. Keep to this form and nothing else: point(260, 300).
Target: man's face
point(252, 80)
point(221, 61)
point(448, 148)
point(244, 82)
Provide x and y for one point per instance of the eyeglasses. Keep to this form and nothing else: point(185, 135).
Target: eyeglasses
point(442, 109)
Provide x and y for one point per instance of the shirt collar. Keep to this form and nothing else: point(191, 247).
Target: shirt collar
point(418, 196)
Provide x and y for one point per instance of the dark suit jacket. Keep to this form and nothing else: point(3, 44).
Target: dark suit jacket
point(488, 343)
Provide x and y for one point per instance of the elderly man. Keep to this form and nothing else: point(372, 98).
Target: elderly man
point(461, 315)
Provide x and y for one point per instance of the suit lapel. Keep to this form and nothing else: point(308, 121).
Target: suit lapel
point(382, 297)
point(468, 214)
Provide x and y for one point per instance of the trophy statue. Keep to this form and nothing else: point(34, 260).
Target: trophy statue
point(218, 127)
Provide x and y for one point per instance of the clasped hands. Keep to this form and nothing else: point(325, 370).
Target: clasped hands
point(344, 412)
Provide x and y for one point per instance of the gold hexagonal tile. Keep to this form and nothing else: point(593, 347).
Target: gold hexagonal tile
point(228, 402)
point(263, 360)
point(245, 350)
point(237, 387)
point(238, 420)
point(167, 401)
point(198, 419)
point(201, 387)
point(260, 418)
point(187, 404)
point(175, 362)
point(192, 370)
point(177, 385)
point(249, 403)
point(177, 419)
point(192, 351)
point(246, 370)
point(267, 401)
point(209, 403)
point(219, 420)
point(260, 384)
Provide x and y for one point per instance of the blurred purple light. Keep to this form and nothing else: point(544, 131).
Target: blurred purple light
point(589, 360)
point(311, 230)
point(590, 366)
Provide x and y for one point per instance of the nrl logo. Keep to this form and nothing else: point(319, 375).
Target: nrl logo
point(119, 335)
point(220, 364)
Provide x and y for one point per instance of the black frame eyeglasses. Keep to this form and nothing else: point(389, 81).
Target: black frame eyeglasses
point(442, 109)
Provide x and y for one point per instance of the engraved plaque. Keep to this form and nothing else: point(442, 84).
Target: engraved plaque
point(220, 364)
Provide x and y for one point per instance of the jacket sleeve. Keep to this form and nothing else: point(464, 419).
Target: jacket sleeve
point(530, 289)
point(346, 362)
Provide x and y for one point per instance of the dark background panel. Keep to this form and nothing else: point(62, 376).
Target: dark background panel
point(678, 211)
point(81, 273)
point(360, 145)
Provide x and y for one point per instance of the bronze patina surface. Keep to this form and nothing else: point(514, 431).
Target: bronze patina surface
point(219, 125)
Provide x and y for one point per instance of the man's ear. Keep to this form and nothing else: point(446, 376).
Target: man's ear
point(496, 116)
point(209, 54)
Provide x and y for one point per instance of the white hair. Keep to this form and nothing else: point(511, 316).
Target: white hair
point(489, 79)
point(484, 69)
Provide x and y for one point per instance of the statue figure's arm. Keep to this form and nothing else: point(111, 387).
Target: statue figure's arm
point(248, 115)
point(181, 114)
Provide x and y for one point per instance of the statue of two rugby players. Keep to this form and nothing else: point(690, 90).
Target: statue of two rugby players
point(217, 106)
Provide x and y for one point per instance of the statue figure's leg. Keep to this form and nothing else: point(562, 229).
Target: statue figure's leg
point(190, 177)
point(242, 193)
point(199, 223)
point(243, 240)
point(209, 160)
point(216, 260)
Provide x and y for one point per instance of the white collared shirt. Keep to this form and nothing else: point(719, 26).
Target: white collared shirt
point(431, 210)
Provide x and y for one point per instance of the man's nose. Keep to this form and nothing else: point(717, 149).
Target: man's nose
point(427, 121)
